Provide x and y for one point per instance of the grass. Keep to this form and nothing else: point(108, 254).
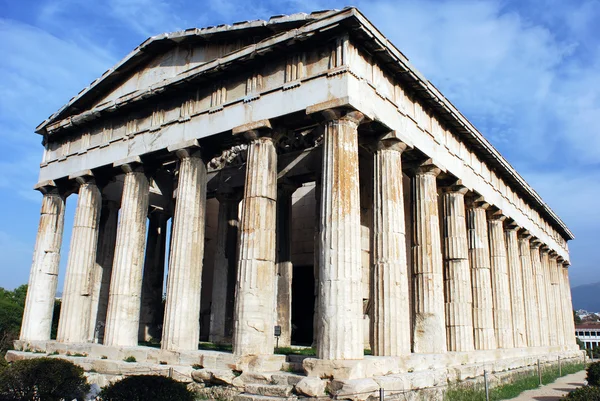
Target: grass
point(521, 382)
point(215, 347)
point(304, 351)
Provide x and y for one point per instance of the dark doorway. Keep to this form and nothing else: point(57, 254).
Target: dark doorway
point(303, 304)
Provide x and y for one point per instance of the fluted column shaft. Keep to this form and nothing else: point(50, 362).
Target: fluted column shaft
point(540, 286)
point(254, 312)
point(224, 276)
point(529, 293)
point(557, 309)
point(340, 318)
point(181, 327)
point(457, 280)
point(568, 307)
point(391, 308)
point(75, 319)
point(284, 263)
point(503, 323)
point(550, 303)
point(153, 276)
point(515, 276)
point(429, 326)
point(123, 315)
point(107, 237)
point(43, 278)
point(481, 279)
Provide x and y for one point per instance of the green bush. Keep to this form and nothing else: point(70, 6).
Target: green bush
point(593, 374)
point(147, 387)
point(47, 379)
point(587, 393)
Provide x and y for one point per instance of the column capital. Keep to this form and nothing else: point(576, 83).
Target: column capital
point(131, 164)
point(185, 149)
point(388, 141)
point(495, 214)
point(524, 235)
point(253, 130)
point(545, 249)
point(535, 243)
point(456, 188)
point(49, 187)
point(427, 168)
point(342, 113)
point(476, 201)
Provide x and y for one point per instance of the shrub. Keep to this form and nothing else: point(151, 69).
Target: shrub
point(48, 379)
point(147, 387)
point(130, 359)
point(593, 374)
point(586, 393)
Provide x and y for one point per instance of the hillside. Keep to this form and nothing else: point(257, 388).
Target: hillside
point(587, 297)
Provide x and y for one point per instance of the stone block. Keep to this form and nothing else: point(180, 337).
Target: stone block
point(350, 369)
point(356, 389)
point(311, 387)
point(272, 390)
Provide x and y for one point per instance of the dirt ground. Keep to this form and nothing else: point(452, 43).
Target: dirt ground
point(554, 391)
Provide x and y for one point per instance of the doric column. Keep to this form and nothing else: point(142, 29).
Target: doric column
point(224, 276)
point(340, 320)
point(540, 287)
point(557, 299)
point(500, 282)
point(568, 305)
point(181, 327)
point(123, 315)
point(254, 312)
point(43, 278)
point(391, 306)
point(152, 279)
point(284, 262)
point(529, 292)
point(75, 319)
point(107, 237)
point(457, 279)
point(481, 280)
point(429, 326)
point(515, 277)
point(549, 292)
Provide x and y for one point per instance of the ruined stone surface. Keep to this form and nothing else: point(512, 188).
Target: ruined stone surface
point(540, 286)
point(391, 306)
point(254, 313)
point(73, 325)
point(311, 387)
point(224, 275)
point(181, 329)
point(529, 293)
point(503, 324)
point(429, 332)
point(516, 287)
point(340, 320)
point(457, 280)
point(152, 279)
point(484, 335)
point(357, 389)
point(43, 278)
point(123, 315)
point(350, 368)
point(214, 376)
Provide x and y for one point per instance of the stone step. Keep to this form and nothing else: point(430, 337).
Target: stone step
point(286, 378)
point(293, 367)
point(254, 397)
point(272, 390)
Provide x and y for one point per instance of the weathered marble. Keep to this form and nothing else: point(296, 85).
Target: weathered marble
point(254, 312)
point(457, 278)
point(75, 318)
point(224, 275)
point(391, 306)
point(503, 322)
point(123, 315)
point(43, 278)
point(340, 320)
point(540, 286)
point(181, 327)
point(429, 327)
point(481, 280)
point(515, 281)
point(529, 292)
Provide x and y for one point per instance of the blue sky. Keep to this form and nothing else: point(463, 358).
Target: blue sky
point(526, 73)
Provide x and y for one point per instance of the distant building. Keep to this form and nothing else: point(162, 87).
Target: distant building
point(589, 334)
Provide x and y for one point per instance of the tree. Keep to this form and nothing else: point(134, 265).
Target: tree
point(12, 304)
point(576, 318)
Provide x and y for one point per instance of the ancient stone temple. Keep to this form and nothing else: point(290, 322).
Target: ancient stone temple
point(296, 174)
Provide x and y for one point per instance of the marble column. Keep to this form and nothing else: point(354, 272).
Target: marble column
point(152, 278)
point(254, 312)
point(540, 286)
point(75, 319)
point(515, 280)
point(224, 276)
point(568, 305)
point(550, 302)
point(123, 315)
point(529, 292)
point(429, 326)
point(391, 309)
point(481, 278)
point(557, 296)
point(107, 237)
point(503, 324)
point(284, 262)
point(340, 320)
point(181, 327)
point(457, 278)
point(43, 278)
